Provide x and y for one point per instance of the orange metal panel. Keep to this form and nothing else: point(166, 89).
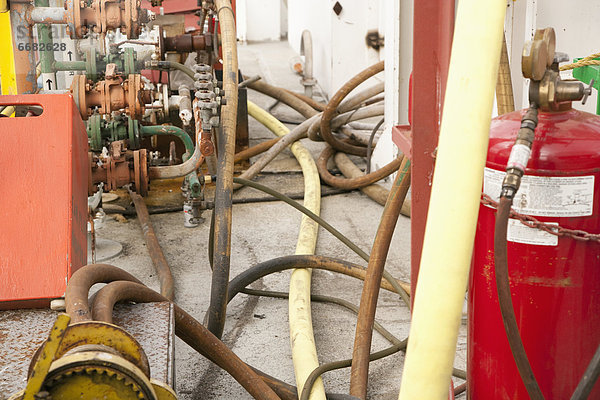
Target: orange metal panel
point(43, 200)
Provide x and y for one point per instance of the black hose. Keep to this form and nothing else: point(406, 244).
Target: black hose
point(370, 145)
point(589, 378)
point(307, 212)
point(506, 304)
point(279, 264)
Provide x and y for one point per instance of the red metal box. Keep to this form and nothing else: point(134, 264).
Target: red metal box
point(43, 200)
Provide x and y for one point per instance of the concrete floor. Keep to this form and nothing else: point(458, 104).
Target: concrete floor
point(257, 328)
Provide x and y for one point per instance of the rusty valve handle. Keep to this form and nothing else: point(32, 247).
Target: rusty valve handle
point(207, 148)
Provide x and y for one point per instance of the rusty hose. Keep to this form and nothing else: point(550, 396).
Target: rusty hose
point(224, 186)
point(189, 330)
point(368, 301)
point(76, 294)
point(308, 100)
point(376, 192)
point(255, 150)
point(156, 254)
point(284, 96)
point(353, 183)
point(331, 109)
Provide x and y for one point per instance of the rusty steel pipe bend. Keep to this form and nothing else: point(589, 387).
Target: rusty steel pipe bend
point(186, 328)
point(333, 104)
point(224, 186)
point(78, 287)
point(368, 301)
point(353, 183)
point(156, 254)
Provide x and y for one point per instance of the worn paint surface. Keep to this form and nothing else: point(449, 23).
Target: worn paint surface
point(23, 331)
point(43, 207)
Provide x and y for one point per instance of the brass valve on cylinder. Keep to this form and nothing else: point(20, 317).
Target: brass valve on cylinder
point(539, 63)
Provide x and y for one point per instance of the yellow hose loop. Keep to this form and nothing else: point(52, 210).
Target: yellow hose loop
point(304, 349)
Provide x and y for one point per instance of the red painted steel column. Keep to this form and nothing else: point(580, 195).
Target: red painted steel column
point(432, 38)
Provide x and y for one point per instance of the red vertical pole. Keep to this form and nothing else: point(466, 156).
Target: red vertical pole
point(432, 38)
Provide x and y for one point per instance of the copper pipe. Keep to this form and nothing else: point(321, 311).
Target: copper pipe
point(370, 292)
point(255, 150)
point(331, 109)
point(156, 254)
point(353, 183)
point(78, 287)
point(186, 328)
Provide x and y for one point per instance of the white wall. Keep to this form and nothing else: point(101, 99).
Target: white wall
point(259, 20)
point(339, 47)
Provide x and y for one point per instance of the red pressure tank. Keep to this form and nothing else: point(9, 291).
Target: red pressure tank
point(555, 281)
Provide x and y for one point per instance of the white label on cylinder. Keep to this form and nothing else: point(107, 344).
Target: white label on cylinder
point(519, 155)
point(546, 196)
point(520, 233)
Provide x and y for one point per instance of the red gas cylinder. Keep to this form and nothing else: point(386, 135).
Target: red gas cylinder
point(555, 281)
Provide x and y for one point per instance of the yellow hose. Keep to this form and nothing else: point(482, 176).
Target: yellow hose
point(304, 350)
point(454, 204)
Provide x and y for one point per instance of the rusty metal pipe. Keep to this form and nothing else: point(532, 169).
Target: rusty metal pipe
point(189, 330)
point(156, 254)
point(175, 171)
point(331, 109)
point(78, 287)
point(353, 183)
point(368, 301)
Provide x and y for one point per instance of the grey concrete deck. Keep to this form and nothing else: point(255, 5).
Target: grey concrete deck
point(257, 328)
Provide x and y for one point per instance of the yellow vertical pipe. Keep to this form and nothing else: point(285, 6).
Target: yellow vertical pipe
point(304, 349)
point(7, 59)
point(454, 204)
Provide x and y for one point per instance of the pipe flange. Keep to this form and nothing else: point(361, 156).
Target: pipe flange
point(94, 128)
point(133, 133)
point(136, 171)
point(134, 86)
point(144, 180)
point(129, 61)
point(78, 91)
point(91, 60)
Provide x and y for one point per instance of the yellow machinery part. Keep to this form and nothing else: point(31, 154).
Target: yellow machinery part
point(103, 334)
point(46, 356)
point(8, 73)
